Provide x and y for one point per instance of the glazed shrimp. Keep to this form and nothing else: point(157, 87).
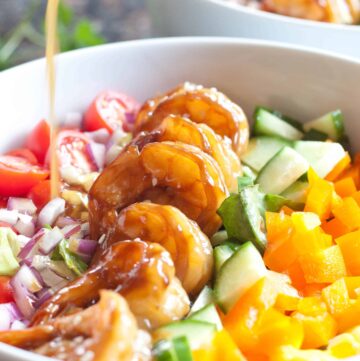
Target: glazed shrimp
point(201, 105)
point(334, 11)
point(170, 173)
point(176, 128)
point(106, 331)
point(141, 272)
point(189, 248)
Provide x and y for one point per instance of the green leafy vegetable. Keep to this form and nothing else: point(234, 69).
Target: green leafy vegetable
point(73, 261)
point(9, 248)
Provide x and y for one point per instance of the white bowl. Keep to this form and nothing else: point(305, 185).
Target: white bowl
point(219, 18)
point(298, 82)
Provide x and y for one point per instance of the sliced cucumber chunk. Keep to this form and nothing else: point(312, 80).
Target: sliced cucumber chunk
point(242, 217)
point(208, 314)
point(164, 351)
point(182, 348)
point(314, 134)
point(322, 156)
point(198, 333)
point(219, 238)
point(248, 172)
point(267, 123)
point(283, 169)
point(237, 275)
point(245, 181)
point(296, 192)
point(223, 252)
point(274, 202)
point(206, 297)
point(331, 124)
point(261, 149)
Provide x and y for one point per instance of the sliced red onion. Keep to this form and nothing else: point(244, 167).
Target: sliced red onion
point(50, 278)
point(25, 225)
point(9, 216)
point(97, 153)
point(23, 205)
point(26, 251)
point(83, 246)
point(51, 212)
point(9, 314)
point(72, 120)
point(99, 136)
point(85, 229)
point(18, 325)
point(43, 296)
point(64, 221)
point(28, 279)
point(69, 231)
point(22, 240)
point(130, 118)
point(23, 298)
point(50, 240)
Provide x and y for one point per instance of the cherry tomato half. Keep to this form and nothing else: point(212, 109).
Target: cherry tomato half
point(18, 175)
point(72, 150)
point(24, 153)
point(110, 110)
point(6, 294)
point(38, 141)
point(40, 194)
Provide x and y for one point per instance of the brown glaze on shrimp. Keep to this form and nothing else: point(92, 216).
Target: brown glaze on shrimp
point(180, 129)
point(189, 247)
point(201, 105)
point(141, 272)
point(170, 173)
point(106, 331)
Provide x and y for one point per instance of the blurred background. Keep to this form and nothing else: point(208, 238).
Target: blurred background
point(81, 23)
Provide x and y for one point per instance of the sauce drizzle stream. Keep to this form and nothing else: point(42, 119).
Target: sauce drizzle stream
point(51, 50)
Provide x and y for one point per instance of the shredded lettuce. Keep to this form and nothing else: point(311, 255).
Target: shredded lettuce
point(9, 248)
point(72, 261)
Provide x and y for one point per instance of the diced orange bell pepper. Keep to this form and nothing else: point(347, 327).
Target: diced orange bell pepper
point(277, 225)
point(345, 187)
point(353, 172)
point(320, 196)
point(336, 297)
point(335, 228)
point(348, 213)
point(225, 348)
point(311, 241)
point(350, 317)
point(343, 346)
point(296, 275)
point(242, 319)
point(277, 330)
point(339, 168)
point(324, 266)
point(319, 326)
point(313, 289)
point(350, 247)
point(286, 210)
point(288, 353)
point(353, 286)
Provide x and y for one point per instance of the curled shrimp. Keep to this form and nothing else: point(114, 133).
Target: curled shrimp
point(106, 331)
point(165, 173)
point(334, 11)
point(141, 272)
point(188, 246)
point(177, 128)
point(201, 105)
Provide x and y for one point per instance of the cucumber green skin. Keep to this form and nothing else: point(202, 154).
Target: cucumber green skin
point(182, 348)
point(207, 314)
point(164, 351)
point(237, 275)
point(261, 126)
point(242, 217)
point(221, 254)
point(314, 134)
point(197, 332)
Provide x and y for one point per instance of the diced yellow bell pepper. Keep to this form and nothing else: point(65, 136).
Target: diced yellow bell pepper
point(350, 247)
point(343, 345)
point(348, 213)
point(336, 297)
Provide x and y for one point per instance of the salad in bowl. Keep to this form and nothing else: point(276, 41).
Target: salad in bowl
point(178, 236)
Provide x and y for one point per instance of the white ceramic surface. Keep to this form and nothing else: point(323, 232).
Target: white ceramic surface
point(298, 82)
point(218, 18)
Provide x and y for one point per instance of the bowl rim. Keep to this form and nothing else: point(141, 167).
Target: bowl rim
point(187, 41)
point(284, 18)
